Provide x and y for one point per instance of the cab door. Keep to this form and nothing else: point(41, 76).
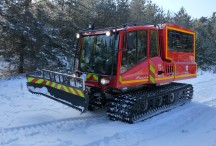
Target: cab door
point(134, 62)
point(156, 65)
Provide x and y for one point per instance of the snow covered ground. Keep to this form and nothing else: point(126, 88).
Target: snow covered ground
point(6, 67)
point(27, 119)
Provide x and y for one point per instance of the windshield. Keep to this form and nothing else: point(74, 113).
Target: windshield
point(98, 54)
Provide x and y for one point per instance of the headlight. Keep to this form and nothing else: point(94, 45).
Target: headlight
point(74, 75)
point(104, 81)
point(77, 35)
point(108, 33)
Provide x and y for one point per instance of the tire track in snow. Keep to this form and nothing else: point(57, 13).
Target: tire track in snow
point(181, 120)
point(203, 92)
point(10, 135)
point(50, 123)
point(204, 82)
point(210, 103)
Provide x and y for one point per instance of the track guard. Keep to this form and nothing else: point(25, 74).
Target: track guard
point(59, 87)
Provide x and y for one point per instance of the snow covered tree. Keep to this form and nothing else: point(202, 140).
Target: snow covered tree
point(137, 10)
point(123, 11)
point(106, 13)
point(17, 33)
point(206, 43)
point(32, 34)
point(33, 31)
point(182, 18)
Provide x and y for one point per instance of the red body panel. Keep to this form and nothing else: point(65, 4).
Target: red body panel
point(168, 66)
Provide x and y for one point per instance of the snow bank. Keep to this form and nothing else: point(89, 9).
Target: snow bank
point(27, 119)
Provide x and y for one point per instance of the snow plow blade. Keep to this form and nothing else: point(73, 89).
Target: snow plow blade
point(59, 87)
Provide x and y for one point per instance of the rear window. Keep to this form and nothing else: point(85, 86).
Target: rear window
point(180, 41)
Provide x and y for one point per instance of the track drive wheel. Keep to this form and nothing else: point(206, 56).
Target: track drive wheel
point(158, 101)
point(170, 98)
point(141, 106)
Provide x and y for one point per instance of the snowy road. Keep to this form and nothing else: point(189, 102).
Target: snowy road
point(27, 119)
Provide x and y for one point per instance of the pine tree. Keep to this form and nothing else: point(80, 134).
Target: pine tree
point(182, 18)
point(106, 14)
point(123, 11)
point(137, 10)
point(40, 33)
point(17, 23)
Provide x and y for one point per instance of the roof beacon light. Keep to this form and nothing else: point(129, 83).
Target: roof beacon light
point(91, 26)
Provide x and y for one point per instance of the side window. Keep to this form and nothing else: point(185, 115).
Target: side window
point(131, 48)
point(153, 43)
point(136, 49)
point(180, 41)
point(141, 45)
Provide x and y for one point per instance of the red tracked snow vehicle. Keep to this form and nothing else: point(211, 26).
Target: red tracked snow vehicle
point(128, 69)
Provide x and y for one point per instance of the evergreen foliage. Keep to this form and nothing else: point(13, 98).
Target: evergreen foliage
point(37, 34)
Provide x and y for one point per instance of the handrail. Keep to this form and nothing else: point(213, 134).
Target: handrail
point(61, 78)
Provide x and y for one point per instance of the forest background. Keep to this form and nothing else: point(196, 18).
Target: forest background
point(37, 34)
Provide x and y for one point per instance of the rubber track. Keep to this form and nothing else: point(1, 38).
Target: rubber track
point(128, 107)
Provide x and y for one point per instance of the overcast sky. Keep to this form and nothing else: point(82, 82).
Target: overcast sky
point(195, 8)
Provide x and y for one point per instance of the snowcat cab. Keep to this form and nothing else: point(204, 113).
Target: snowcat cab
point(128, 69)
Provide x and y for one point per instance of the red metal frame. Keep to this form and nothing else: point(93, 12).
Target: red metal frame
point(168, 66)
point(174, 65)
